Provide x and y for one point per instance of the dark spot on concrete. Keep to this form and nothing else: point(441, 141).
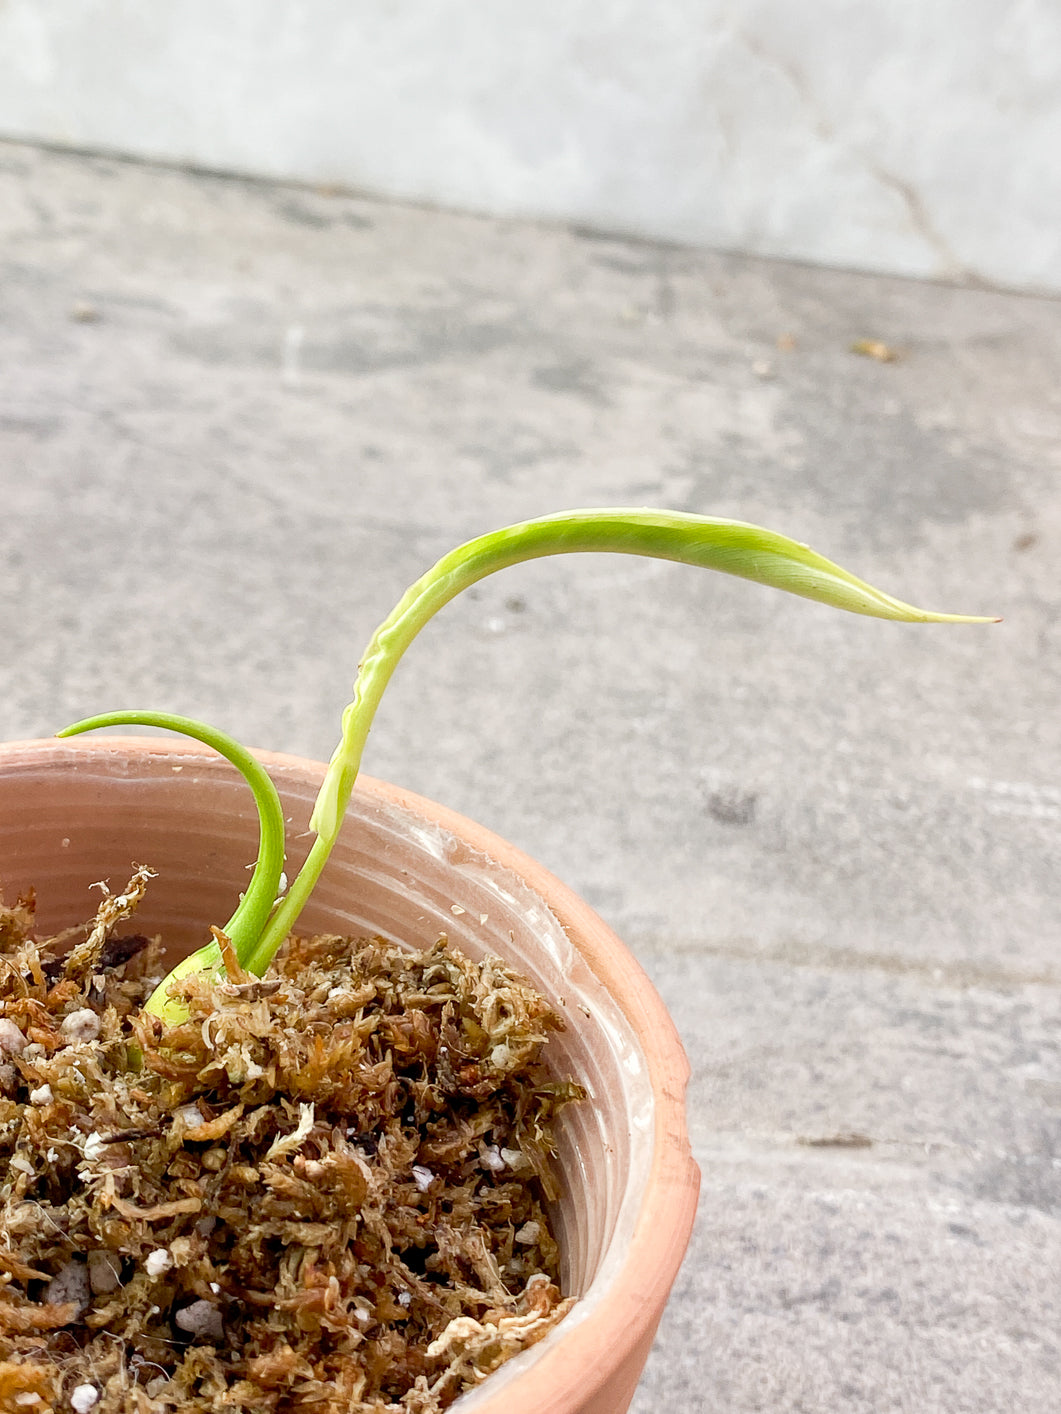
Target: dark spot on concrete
point(319, 213)
point(358, 223)
point(39, 427)
point(731, 806)
point(960, 1230)
point(301, 215)
point(836, 1141)
point(574, 378)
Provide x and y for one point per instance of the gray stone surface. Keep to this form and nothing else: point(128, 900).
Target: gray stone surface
point(236, 420)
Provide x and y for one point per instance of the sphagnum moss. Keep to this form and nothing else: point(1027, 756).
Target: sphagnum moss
point(324, 1190)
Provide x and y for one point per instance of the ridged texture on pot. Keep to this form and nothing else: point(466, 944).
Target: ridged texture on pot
point(74, 812)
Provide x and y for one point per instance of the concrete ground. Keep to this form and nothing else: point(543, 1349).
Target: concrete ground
point(237, 419)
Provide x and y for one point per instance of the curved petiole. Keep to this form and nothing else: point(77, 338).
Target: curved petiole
point(245, 927)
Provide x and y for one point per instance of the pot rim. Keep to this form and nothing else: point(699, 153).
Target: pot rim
point(627, 1311)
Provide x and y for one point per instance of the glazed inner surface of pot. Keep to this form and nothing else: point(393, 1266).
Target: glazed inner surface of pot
point(394, 872)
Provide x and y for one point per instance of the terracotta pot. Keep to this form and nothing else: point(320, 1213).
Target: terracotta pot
point(74, 812)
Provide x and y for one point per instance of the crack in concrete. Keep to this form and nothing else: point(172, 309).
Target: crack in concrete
point(921, 223)
point(917, 215)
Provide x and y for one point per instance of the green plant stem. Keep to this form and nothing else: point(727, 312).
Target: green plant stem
point(245, 926)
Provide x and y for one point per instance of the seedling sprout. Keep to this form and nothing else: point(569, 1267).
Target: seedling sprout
point(263, 920)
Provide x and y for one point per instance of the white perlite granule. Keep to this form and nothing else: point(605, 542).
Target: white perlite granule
point(82, 1025)
point(84, 1398)
point(158, 1261)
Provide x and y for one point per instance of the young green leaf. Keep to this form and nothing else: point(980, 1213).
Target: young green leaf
point(731, 546)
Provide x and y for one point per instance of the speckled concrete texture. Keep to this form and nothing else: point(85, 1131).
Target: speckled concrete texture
point(236, 420)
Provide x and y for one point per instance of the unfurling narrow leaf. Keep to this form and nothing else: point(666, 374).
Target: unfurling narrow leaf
point(731, 546)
